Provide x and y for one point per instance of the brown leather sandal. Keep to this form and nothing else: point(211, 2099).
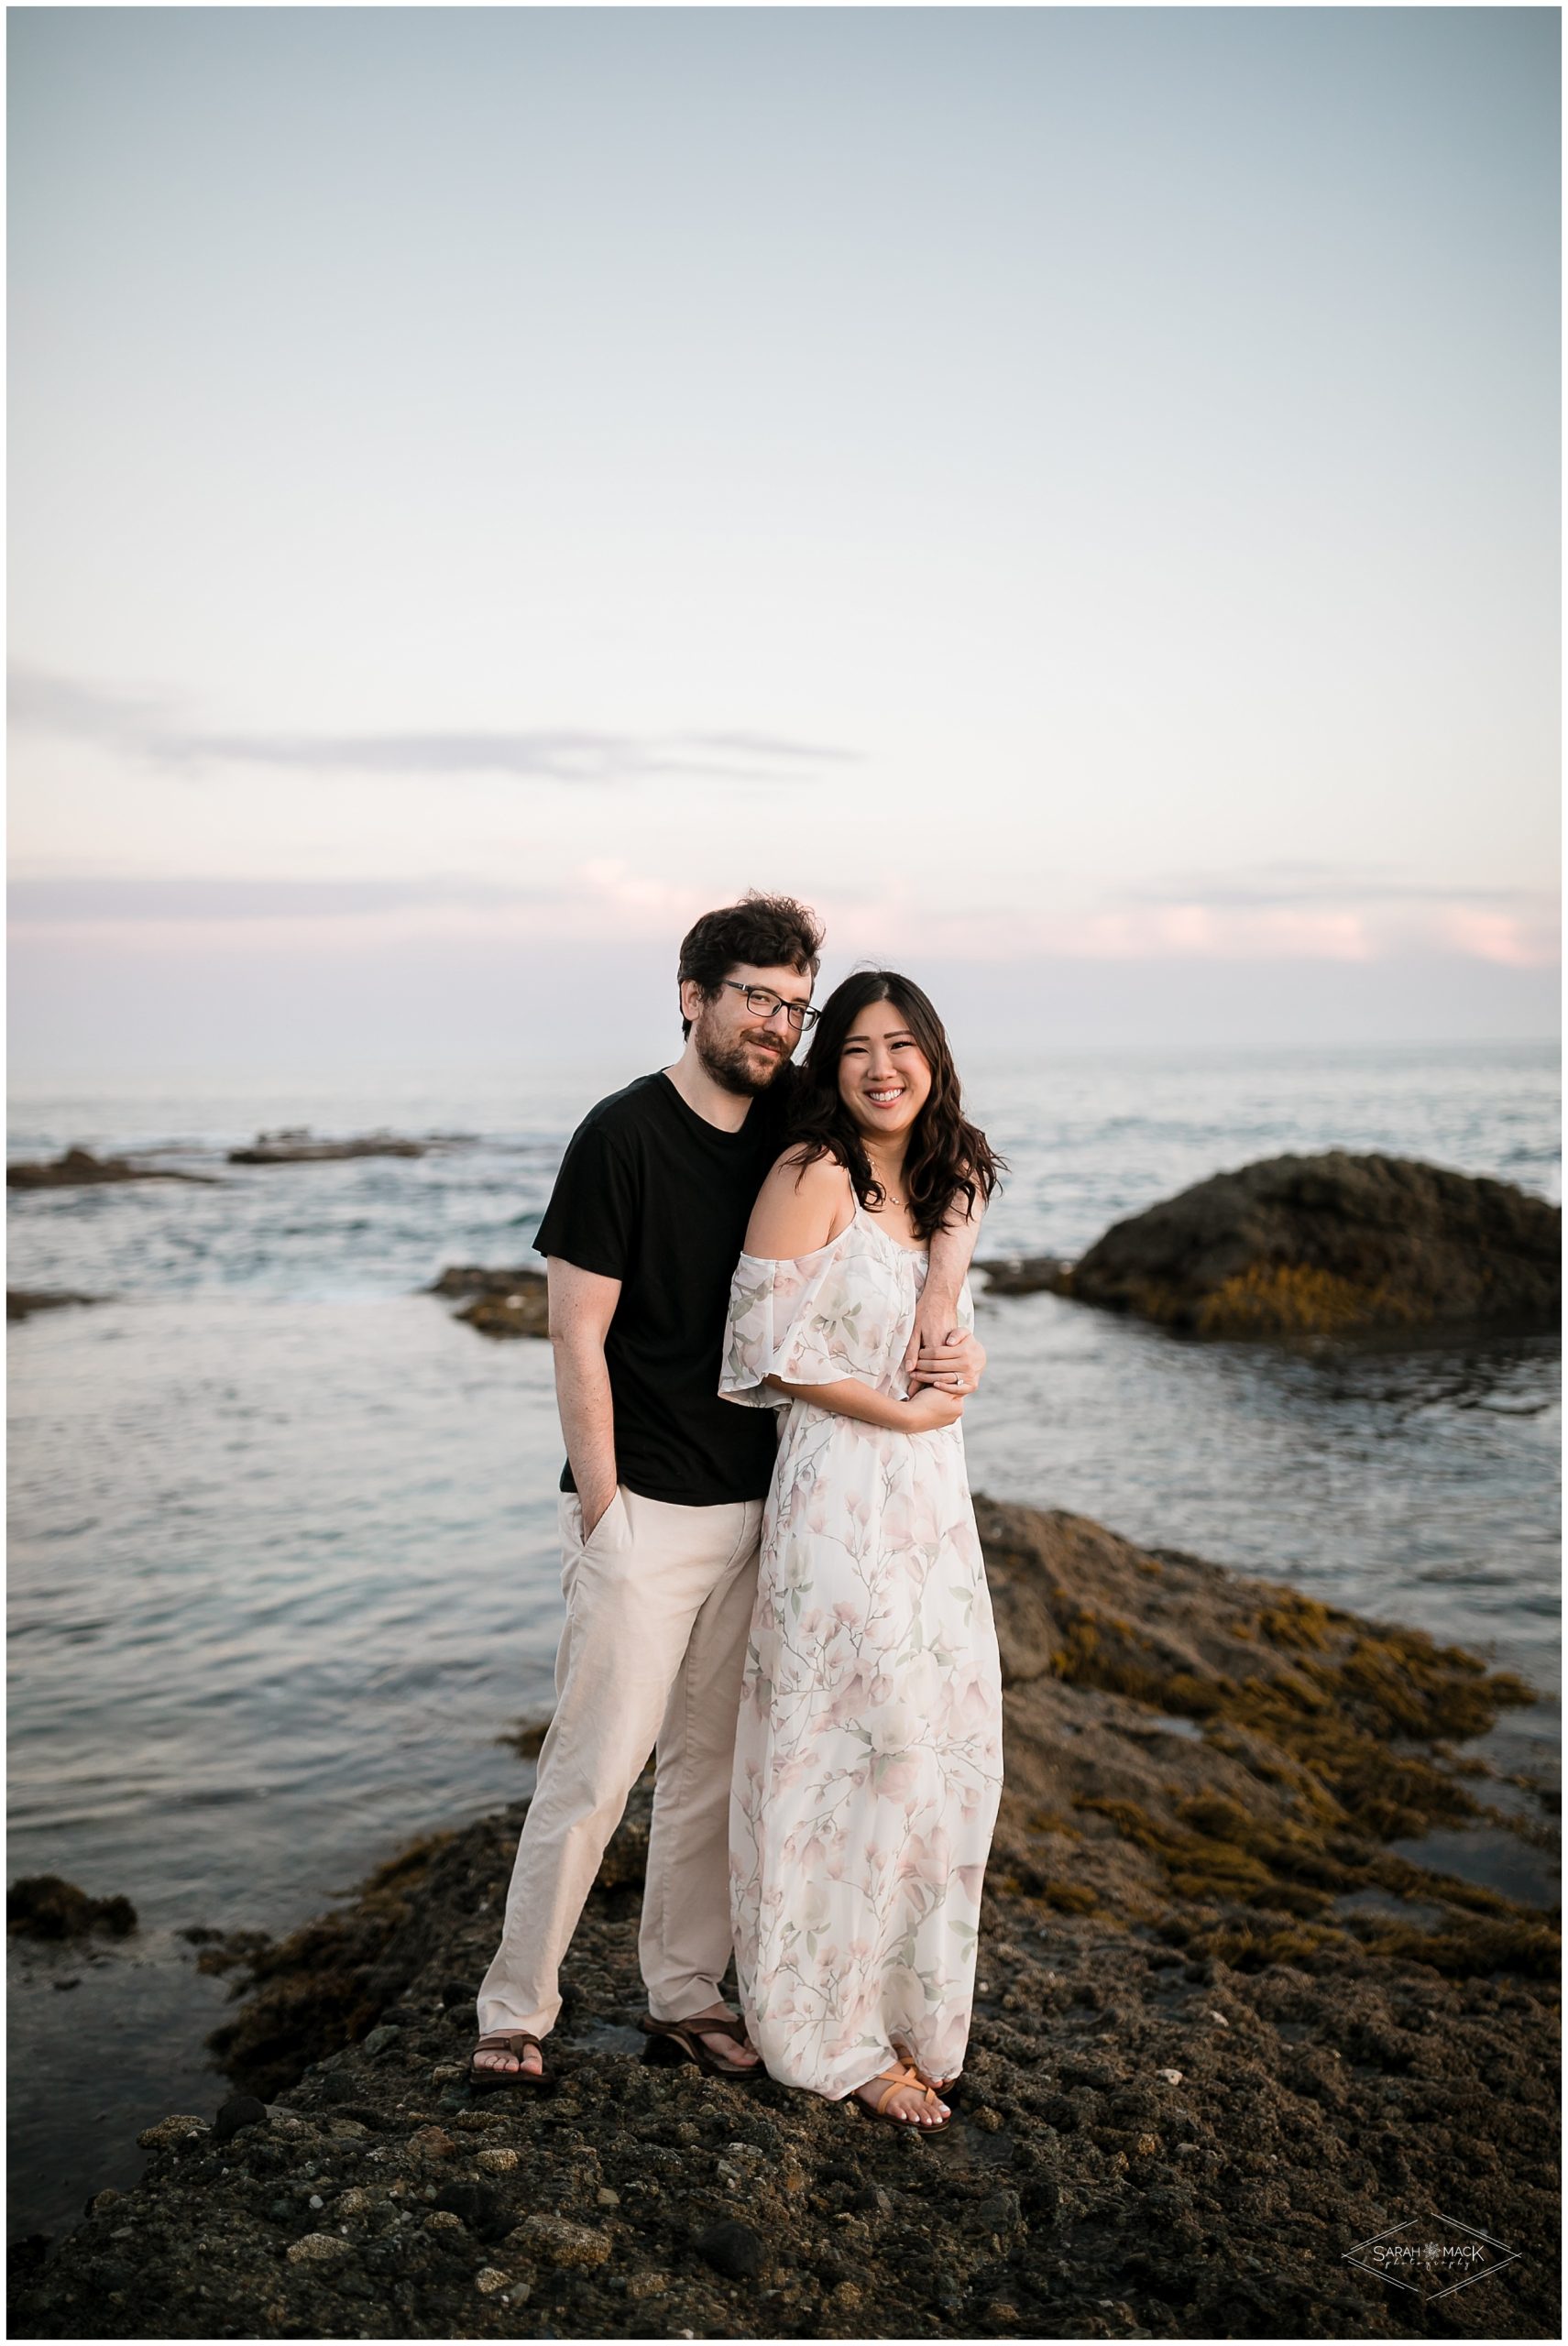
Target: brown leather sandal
point(505, 2040)
point(903, 2077)
point(672, 2041)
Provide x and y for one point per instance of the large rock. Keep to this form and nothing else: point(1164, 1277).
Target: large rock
point(1334, 1246)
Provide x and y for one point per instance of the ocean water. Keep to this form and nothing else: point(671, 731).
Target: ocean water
point(283, 1567)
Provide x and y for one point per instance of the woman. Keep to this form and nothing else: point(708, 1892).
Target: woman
point(868, 1760)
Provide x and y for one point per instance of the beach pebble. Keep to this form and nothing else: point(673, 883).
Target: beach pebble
point(487, 2280)
point(605, 2198)
point(379, 2038)
point(442, 2220)
point(177, 2129)
point(432, 2142)
point(239, 2110)
point(354, 2203)
point(734, 2250)
point(481, 2207)
point(316, 2199)
point(1170, 2077)
point(999, 2214)
point(499, 2162)
point(101, 2199)
point(647, 2285)
point(318, 2248)
point(1219, 2017)
point(557, 2242)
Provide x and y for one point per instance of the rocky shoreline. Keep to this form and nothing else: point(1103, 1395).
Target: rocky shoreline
point(1330, 1252)
point(1223, 2033)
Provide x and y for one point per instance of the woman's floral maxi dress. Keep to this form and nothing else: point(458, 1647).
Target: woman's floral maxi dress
point(868, 1758)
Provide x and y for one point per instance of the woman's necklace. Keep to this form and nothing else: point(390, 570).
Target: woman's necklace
point(883, 1184)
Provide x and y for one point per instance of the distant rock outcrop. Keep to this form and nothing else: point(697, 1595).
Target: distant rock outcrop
point(505, 1302)
point(1027, 1274)
point(79, 1165)
point(21, 1303)
point(295, 1146)
point(1334, 1246)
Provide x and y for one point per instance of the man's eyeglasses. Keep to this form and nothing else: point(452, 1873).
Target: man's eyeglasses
point(763, 1004)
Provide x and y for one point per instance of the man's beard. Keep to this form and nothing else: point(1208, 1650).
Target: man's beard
point(727, 1062)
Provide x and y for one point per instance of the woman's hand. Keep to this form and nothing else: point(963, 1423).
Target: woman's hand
point(930, 1411)
point(957, 1363)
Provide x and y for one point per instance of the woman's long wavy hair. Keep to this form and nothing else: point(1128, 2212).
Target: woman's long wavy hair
point(948, 1160)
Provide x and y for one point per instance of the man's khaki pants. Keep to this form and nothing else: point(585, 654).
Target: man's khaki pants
point(658, 1607)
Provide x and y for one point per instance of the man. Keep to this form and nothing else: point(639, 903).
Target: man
point(662, 1494)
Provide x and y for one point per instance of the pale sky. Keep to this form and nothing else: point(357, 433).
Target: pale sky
point(1072, 493)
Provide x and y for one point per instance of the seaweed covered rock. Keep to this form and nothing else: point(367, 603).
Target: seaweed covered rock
point(47, 1906)
point(1226, 1761)
point(1333, 1245)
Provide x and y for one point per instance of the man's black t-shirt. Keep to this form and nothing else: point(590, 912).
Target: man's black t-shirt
point(651, 1194)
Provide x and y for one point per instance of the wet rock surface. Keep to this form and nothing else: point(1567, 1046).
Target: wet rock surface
point(1193, 2083)
point(1334, 1246)
point(503, 1302)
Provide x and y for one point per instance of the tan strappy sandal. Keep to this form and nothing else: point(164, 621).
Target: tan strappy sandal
point(937, 2084)
point(903, 2077)
point(505, 2040)
point(673, 2040)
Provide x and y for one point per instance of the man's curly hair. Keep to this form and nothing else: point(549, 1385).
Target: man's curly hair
point(764, 932)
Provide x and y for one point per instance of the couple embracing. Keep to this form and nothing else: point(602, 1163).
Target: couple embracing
point(763, 1341)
